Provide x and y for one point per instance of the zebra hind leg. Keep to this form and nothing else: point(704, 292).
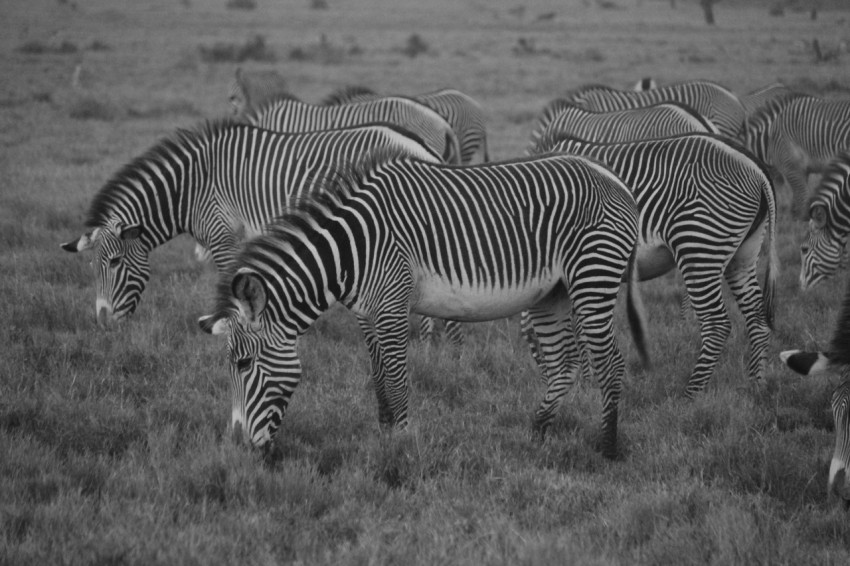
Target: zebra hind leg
point(745, 288)
point(707, 300)
point(558, 359)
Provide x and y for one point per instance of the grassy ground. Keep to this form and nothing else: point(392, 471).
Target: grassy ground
point(112, 443)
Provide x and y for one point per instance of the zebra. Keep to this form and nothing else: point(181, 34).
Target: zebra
point(679, 183)
point(836, 358)
point(799, 134)
point(756, 99)
point(715, 102)
point(288, 114)
point(631, 124)
point(554, 235)
point(250, 89)
point(463, 113)
point(829, 224)
point(220, 182)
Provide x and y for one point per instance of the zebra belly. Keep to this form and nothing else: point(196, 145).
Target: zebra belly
point(439, 297)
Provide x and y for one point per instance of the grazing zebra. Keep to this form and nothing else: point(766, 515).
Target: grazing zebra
point(704, 203)
point(836, 358)
point(393, 235)
point(250, 89)
point(288, 114)
point(755, 100)
point(829, 223)
point(220, 183)
point(798, 135)
point(657, 121)
point(717, 103)
point(463, 113)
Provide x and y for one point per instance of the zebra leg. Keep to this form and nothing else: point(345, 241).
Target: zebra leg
point(707, 299)
point(743, 282)
point(527, 327)
point(385, 416)
point(454, 332)
point(426, 328)
point(797, 182)
point(391, 327)
point(557, 356)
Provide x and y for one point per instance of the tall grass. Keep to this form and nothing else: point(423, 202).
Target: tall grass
point(114, 445)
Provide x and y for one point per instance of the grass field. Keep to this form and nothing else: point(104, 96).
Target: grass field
point(113, 444)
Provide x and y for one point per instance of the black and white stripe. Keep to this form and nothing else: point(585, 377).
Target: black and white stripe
point(715, 102)
point(288, 114)
point(562, 117)
point(704, 203)
point(220, 183)
point(553, 235)
point(797, 135)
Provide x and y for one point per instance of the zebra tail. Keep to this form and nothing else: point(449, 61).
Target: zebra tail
point(636, 311)
point(772, 274)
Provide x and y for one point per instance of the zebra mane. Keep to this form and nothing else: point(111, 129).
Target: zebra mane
point(103, 203)
point(550, 139)
point(346, 94)
point(332, 191)
point(269, 102)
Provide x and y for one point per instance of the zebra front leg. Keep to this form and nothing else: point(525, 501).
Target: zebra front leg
point(385, 416)
point(391, 328)
point(707, 300)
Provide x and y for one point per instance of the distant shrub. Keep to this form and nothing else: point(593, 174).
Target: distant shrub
point(318, 4)
point(35, 47)
point(241, 4)
point(253, 49)
point(415, 46)
point(98, 45)
point(608, 5)
point(777, 10)
point(325, 52)
point(91, 108)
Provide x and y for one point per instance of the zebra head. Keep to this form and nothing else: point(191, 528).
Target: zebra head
point(264, 366)
point(829, 224)
point(839, 483)
point(122, 268)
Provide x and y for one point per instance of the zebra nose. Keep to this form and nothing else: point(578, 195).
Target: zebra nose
point(237, 433)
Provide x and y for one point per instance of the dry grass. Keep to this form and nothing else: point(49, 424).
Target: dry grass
point(112, 443)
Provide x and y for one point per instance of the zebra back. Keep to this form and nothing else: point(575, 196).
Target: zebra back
point(289, 115)
point(655, 121)
point(715, 102)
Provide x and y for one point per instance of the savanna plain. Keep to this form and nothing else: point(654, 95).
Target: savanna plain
point(113, 442)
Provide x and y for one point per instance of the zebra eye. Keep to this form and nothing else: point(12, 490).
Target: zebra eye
point(243, 364)
point(115, 262)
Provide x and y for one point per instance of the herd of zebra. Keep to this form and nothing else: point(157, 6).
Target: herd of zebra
point(391, 206)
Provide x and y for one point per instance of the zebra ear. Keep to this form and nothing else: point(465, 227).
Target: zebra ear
point(212, 325)
point(250, 291)
point(818, 215)
point(84, 242)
